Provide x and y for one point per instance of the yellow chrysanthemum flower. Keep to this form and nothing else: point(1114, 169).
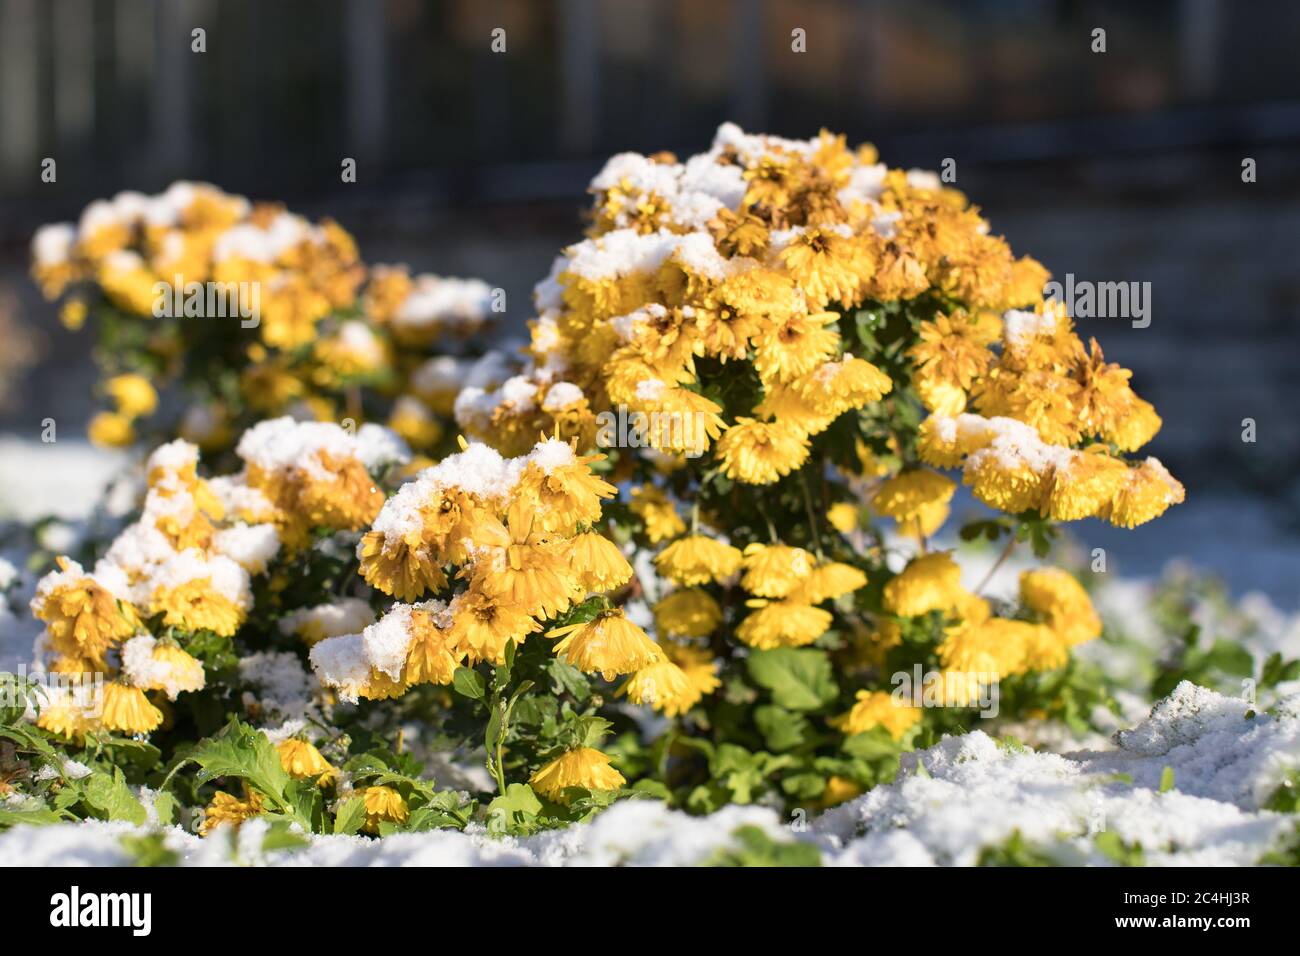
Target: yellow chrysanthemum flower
point(301, 759)
point(795, 346)
point(174, 671)
point(383, 804)
point(1058, 596)
point(584, 767)
point(828, 581)
point(110, 430)
point(996, 646)
point(196, 605)
point(877, 708)
point(657, 514)
point(690, 612)
point(608, 645)
point(782, 624)
point(565, 496)
point(597, 562)
point(774, 570)
point(228, 809)
point(133, 395)
point(759, 453)
point(434, 652)
point(398, 569)
point(843, 516)
point(698, 559)
point(663, 686)
point(906, 496)
point(931, 582)
point(83, 617)
point(482, 626)
point(698, 664)
point(126, 709)
point(1147, 494)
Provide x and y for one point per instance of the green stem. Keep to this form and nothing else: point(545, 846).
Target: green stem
point(812, 515)
point(499, 769)
point(1006, 553)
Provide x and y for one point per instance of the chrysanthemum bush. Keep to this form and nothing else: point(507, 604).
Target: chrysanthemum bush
point(247, 310)
point(685, 553)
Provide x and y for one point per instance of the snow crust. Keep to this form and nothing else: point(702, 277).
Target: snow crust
point(950, 803)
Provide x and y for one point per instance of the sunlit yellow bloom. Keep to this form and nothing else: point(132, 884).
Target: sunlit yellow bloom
point(689, 612)
point(566, 495)
point(663, 686)
point(912, 497)
point(1059, 596)
point(608, 645)
point(931, 582)
point(83, 617)
point(133, 395)
point(657, 513)
point(597, 562)
point(126, 709)
point(174, 671)
point(698, 559)
point(383, 804)
point(773, 570)
point(697, 664)
point(196, 605)
point(110, 430)
point(1147, 494)
point(228, 809)
point(782, 624)
point(584, 767)
point(833, 579)
point(759, 453)
point(301, 759)
point(397, 569)
point(877, 708)
point(434, 652)
point(996, 646)
point(843, 516)
point(795, 346)
point(482, 626)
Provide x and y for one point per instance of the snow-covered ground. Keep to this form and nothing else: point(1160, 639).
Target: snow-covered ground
point(962, 798)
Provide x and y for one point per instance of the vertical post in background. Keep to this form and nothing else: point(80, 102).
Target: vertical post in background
point(579, 75)
point(1198, 41)
point(366, 80)
point(74, 73)
point(19, 104)
point(749, 102)
point(172, 127)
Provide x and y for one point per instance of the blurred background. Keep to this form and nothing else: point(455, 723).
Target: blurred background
point(1115, 166)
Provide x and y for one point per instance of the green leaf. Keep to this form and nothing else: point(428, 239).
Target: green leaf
point(755, 848)
point(565, 678)
point(782, 729)
point(798, 678)
point(351, 816)
point(282, 836)
point(109, 798)
point(238, 750)
point(515, 811)
point(149, 849)
point(36, 815)
point(469, 683)
point(1166, 779)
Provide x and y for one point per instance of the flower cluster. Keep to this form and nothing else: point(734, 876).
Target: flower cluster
point(255, 310)
point(801, 340)
point(186, 566)
point(518, 536)
point(804, 330)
